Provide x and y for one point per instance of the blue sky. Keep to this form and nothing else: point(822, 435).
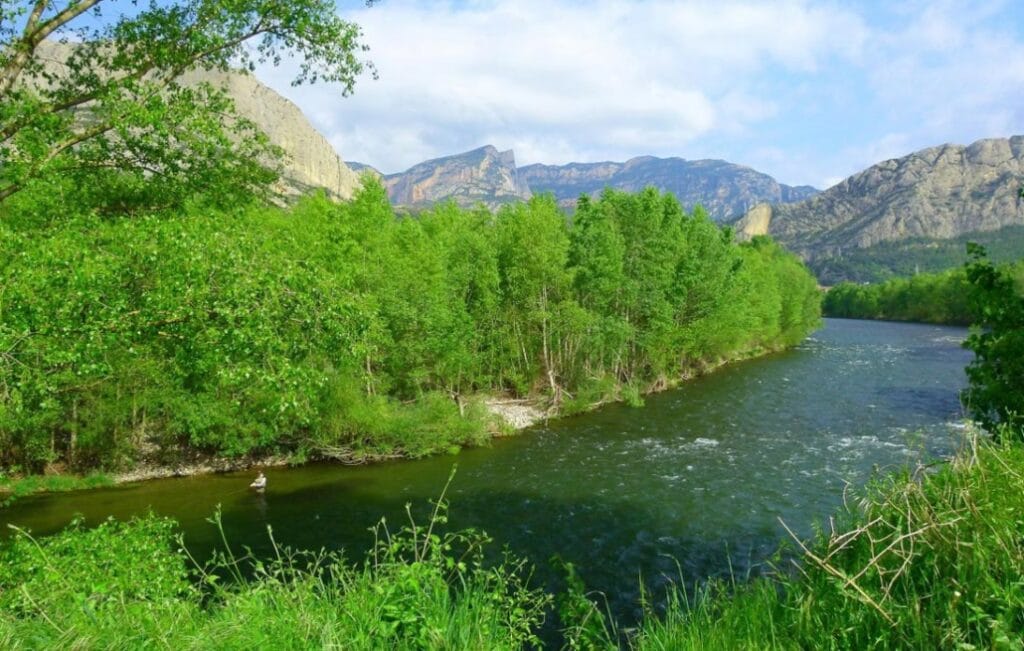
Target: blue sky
point(807, 91)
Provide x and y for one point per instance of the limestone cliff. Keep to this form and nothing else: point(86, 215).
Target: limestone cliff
point(310, 161)
point(722, 188)
point(481, 176)
point(940, 193)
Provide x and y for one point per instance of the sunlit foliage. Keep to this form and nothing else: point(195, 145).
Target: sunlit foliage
point(343, 330)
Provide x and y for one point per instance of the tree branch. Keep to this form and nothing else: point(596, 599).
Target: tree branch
point(35, 32)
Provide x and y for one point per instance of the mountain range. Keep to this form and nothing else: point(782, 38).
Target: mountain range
point(481, 176)
point(490, 177)
point(724, 189)
point(896, 216)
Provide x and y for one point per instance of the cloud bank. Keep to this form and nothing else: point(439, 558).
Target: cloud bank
point(806, 91)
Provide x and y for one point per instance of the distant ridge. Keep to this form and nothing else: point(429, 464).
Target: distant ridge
point(724, 189)
point(940, 192)
point(490, 177)
point(481, 176)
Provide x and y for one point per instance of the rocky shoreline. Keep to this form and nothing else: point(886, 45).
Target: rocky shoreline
point(517, 414)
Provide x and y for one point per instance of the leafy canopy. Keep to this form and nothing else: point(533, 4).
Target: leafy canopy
point(996, 392)
point(93, 104)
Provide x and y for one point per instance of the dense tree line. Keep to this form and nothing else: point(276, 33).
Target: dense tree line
point(925, 298)
point(995, 396)
point(342, 329)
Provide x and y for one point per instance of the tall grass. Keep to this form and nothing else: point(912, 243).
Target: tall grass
point(131, 585)
point(11, 488)
point(932, 561)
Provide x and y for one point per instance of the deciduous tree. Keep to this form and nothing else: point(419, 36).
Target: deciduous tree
point(92, 99)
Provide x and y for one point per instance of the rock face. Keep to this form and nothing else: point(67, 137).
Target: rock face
point(482, 176)
point(725, 190)
point(941, 193)
point(310, 161)
point(360, 168)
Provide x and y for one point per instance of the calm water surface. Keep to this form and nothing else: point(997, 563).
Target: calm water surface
point(694, 482)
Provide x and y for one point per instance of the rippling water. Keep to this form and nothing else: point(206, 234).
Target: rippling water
point(691, 485)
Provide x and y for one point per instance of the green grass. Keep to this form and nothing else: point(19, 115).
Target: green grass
point(131, 585)
point(11, 488)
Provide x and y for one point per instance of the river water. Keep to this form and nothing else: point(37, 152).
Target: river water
point(691, 485)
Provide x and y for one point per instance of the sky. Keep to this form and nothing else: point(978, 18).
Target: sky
point(807, 91)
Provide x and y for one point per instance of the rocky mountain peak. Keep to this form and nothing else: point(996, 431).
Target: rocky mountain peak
point(939, 192)
point(310, 161)
point(480, 176)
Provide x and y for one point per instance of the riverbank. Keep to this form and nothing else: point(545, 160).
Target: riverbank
point(503, 416)
point(937, 299)
point(924, 559)
point(343, 331)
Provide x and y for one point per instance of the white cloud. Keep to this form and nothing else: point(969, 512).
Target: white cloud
point(949, 73)
point(567, 81)
point(806, 90)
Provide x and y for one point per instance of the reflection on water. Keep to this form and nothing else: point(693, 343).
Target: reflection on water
point(694, 482)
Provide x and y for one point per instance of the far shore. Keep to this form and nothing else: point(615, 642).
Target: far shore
point(512, 414)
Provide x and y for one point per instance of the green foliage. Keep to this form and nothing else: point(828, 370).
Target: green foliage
point(924, 298)
point(343, 331)
point(132, 586)
point(11, 488)
point(103, 120)
point(996, 393)
point(923, 563)
point(585, 626)
point(92, 572)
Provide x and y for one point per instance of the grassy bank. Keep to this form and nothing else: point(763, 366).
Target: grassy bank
point(920, 562)
point(926, 562)
point(11, 488)
point(131, 585)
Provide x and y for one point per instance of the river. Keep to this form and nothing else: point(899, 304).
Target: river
point(691, 485)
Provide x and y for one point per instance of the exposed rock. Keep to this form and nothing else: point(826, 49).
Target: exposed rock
point(755, 222)
point(518, 414)
point(482, 176)
point(941, 192)
point(362, 168)
point(310, 161)
point(723, 189)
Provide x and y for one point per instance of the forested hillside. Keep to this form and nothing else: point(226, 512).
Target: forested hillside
point(916, 255)
point(342, 330)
